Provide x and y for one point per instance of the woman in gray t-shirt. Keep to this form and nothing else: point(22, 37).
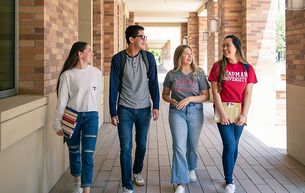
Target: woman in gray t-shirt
point(185, 88)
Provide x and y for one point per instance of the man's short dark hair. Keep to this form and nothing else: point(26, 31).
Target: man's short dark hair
point(132, 31)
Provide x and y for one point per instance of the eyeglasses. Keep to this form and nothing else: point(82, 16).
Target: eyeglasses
point(143, 37)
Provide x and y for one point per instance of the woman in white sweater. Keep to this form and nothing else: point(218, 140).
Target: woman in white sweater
point(79, 87)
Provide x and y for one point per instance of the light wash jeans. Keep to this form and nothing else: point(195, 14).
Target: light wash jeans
point(141, 119)
point(185, 125)
point(81, 159)
point(230, 135)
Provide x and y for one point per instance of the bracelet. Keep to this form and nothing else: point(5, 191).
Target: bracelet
point(243, 115)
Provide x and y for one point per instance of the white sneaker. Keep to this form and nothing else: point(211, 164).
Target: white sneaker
point(77, 189)
point(125, 190)
point(180, 189)
point(192, 175)
point(138, 179)
point(230, 188)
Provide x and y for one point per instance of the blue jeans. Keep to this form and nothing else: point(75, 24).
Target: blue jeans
point(85, 132)
point(127, 118)
point(185, 125)
point(230, 135)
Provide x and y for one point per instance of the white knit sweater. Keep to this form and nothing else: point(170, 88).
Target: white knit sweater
point(80, 90)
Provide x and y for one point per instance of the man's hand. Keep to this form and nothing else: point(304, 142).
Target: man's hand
point(115, 120)
point(155, 114)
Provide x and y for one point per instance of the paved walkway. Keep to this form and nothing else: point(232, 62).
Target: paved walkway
point(259, 168)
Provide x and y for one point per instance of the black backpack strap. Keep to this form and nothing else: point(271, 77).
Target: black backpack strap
point(246, 66)
point(145, 58)
point(122, 65)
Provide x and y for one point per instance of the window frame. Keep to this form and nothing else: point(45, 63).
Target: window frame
point(13, 91)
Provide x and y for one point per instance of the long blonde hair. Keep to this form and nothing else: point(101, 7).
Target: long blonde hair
point(223, 62)
point(177, 60)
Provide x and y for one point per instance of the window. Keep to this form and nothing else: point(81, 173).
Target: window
point(7, 48)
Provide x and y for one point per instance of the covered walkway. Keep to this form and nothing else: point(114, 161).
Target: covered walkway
point(37, 36)
point(259, 168)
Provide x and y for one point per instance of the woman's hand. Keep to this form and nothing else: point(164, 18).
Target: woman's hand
point(183, 103)
point(60, 133)
point(224, 120)
point(241, 120)
point(174, 103)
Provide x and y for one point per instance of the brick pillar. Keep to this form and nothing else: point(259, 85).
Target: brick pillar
point(259, 33)
point(166, 55)
point(259, 41)
point(295, 72)
point(193, 34)
point(85, 27)
point(250, 28)
point(98, 46)
point(121, 26)
point(202, 43)
point(112, 24)
point(40, 60)
point(243, 24)
point(110, 33)
point(212, 9)
point(130, 20)
point(254, 22)
point(98, 30)
point(63, 33)
point(31, 47)
point(183, 31)
point(229, 17)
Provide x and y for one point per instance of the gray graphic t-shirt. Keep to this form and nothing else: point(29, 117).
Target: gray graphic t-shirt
point(183, 86)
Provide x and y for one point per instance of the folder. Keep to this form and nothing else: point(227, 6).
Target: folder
point(231, 109)
point(69, 121)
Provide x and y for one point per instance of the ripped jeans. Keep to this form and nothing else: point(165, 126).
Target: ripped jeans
point(81, 162)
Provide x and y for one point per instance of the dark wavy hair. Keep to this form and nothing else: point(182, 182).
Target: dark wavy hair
point(132, 31)
point(223, 62)
point(72, 59)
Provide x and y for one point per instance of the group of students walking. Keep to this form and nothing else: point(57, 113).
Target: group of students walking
point(134, 100)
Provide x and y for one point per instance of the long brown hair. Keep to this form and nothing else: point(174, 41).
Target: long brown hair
point(177, 60)
point(223, 62)
point(72, 59)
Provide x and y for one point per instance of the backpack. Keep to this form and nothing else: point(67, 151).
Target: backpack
point(246, 66)
point(123, 61)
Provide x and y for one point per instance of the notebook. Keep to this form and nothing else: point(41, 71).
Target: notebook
point(231, 109)
point(68, 121)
